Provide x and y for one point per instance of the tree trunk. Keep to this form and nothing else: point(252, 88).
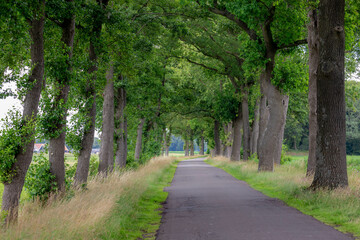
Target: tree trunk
point(264, 118)
point(168, 142)
point(192, 150)
point(163, 152)
point(186, 147)
point(255, 129)
point(121, 129)
point(217, 147)
point(202, 145)
point(106, 157)
point(13, 189)
point(246, 126)
point(331, 171)
point(138, 146)
point(57, 145)
point(313, 44)
point(271, 144)
point(229, 137)
point(87, 140)
point(236, 146)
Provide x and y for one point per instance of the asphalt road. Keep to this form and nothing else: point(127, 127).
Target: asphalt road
point(205, 202)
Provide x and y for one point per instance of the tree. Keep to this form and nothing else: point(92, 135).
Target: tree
point(331, 171)
point(35, 16)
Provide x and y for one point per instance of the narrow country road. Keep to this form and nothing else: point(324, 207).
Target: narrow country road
point(205, 202)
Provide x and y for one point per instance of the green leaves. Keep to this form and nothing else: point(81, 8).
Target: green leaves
point(16, 132)
point(39, 181)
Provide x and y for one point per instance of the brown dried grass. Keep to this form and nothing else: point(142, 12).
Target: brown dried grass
point(78, 217)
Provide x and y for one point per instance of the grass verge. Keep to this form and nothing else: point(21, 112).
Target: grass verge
point(121, 206)
point(339, 208)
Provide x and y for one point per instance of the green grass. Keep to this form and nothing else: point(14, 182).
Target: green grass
point(137, 213)
point(339, 208)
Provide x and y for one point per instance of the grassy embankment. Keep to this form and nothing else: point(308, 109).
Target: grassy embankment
point(121, 206)
point(339, 208)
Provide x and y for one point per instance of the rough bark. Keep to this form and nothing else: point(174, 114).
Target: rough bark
point(313, 44)
point(202, 145)
point(87, 141)
point(13, 189)
point(228, 130)
point(236, 146)
point(263, 120)
point(138, 146)
point(217, 141)
point(57, 144)
point(255, 129)
point(331, 171)
point(186, 147)
point(271, 145)
point(192, 150)
point(106, 157)
point(121, 129)
point(246, 126)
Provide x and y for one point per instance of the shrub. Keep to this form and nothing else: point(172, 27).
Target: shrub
point(14, 135)
point(284, 159)
point(39, 181)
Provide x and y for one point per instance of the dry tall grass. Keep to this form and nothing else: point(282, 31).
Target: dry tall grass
point(79, 217)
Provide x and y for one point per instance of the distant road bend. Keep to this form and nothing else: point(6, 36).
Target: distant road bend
point(205, 202)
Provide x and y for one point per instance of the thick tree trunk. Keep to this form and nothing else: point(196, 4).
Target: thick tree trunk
point(138, 146)
point(121, 130)
point(246, 126)
point(255, 129)
point(331, 171)
point(202, 145)
point(228, 130)
point(263, 121)
point(13, 189)
point(236, 146)
point(217, 147)
point(186, 147)
point(192, 150)
point(313, 44)
point(106, 157)
point(87, 141)
point(271, 144)
point(57, 145)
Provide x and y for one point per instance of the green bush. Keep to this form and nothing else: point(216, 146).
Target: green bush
point(284, 159)
point(94, 165)
point(39, 181)
point(14, 135)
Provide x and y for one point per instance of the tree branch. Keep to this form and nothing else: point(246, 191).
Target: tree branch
point(294, 44)
point(225, 13)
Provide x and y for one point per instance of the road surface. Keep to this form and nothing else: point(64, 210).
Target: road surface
point(205, 202)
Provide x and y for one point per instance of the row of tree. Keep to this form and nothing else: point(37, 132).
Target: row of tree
point(225, 72)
